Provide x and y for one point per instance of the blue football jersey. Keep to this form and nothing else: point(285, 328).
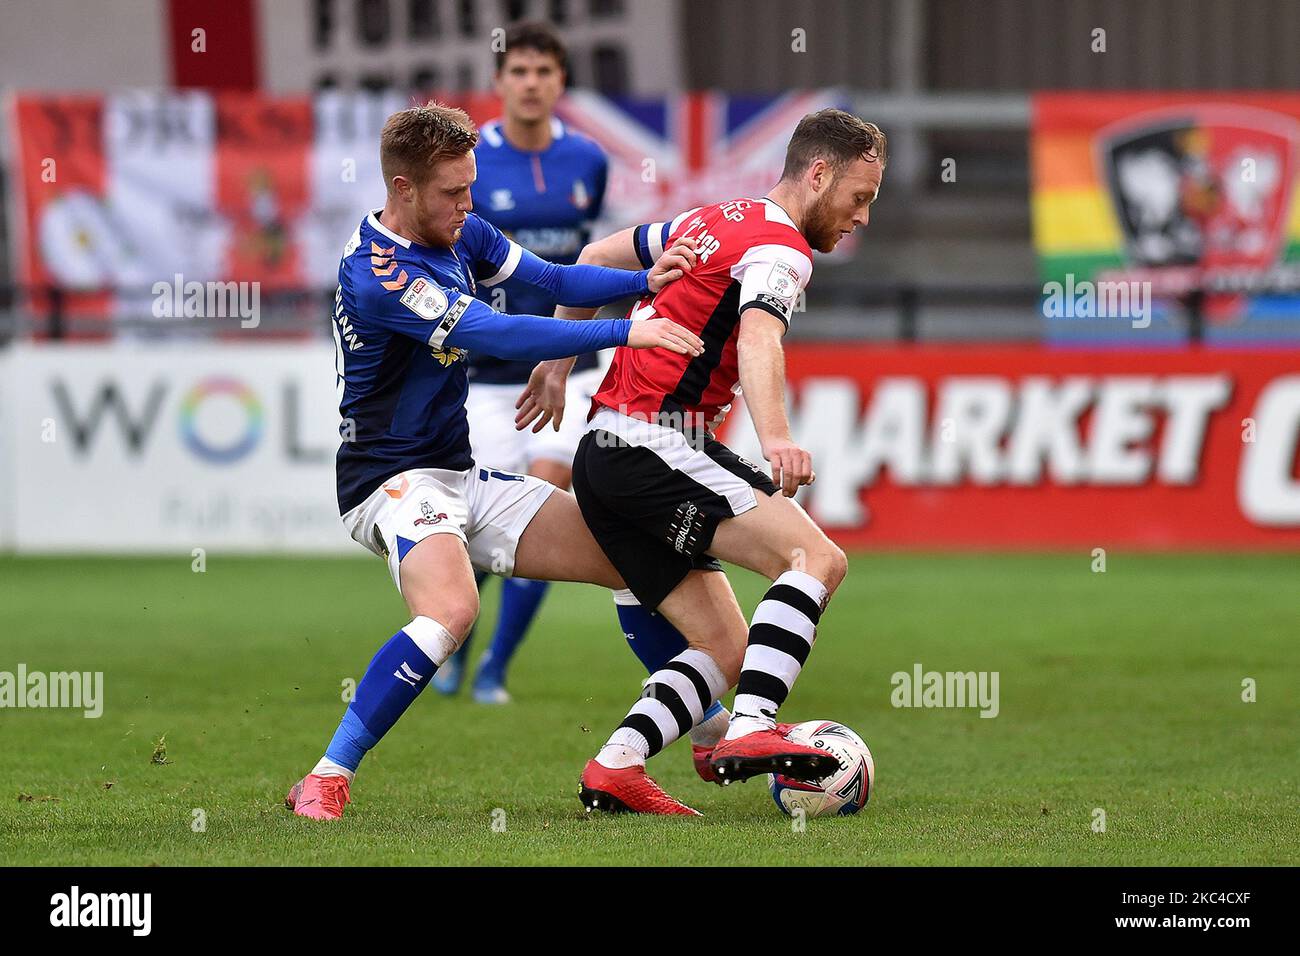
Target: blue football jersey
point(546, 202)
point(405, 317)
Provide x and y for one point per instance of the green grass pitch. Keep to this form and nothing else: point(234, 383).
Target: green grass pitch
point(1119, 691)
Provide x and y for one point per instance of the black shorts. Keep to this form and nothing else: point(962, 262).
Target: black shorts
point(653, 507)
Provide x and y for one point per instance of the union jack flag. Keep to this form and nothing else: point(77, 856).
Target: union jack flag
point(670, 154)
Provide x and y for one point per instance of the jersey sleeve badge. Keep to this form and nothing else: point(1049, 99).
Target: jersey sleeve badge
point(425, 299)
point(783, 280)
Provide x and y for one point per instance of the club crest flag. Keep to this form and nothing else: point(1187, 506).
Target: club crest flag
point(1192, 194)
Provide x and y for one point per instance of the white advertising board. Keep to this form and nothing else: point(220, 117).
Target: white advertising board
point(158, 448)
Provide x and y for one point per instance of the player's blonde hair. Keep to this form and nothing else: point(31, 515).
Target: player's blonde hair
point(414, 140)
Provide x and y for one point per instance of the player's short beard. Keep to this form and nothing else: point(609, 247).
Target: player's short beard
point(819, 228)
point(434, 237)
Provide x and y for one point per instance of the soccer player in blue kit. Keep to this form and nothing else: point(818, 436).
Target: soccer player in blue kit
point(543, 185)
point(408, 487)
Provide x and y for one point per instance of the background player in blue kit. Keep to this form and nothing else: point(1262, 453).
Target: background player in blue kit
point(543, 185)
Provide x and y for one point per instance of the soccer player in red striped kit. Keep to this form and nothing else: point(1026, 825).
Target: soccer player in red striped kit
point(665, 500)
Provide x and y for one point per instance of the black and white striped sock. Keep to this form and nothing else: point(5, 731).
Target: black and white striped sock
point(780, 636)
point(673, 701)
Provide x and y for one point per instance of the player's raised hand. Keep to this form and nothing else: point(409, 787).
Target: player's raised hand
point(665, 334)
point(791, 466)
point(542, 399)
point(677, 260)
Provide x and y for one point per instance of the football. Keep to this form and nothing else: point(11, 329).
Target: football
point(843, 792)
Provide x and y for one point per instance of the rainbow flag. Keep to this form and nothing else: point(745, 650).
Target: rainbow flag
point(1184, 191)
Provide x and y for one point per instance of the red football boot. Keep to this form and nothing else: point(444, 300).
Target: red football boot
point(627, 790)
point(702, 757)
point(768, 751)
point(317, 797)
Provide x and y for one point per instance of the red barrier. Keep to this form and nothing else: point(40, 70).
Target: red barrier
point(1026, 447)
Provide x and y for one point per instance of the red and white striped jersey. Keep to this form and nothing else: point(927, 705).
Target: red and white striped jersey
point(750, 255)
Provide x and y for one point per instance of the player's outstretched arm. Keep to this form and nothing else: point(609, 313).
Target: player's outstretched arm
point(478, 326)
point(762, 380)
point(582, 285)
point(542, 400)
point(444, 317)
point(588, 284)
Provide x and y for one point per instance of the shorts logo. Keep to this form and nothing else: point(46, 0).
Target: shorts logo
point(686, 514)
point(429, 516)
point(425, 299)
point(749, 464)
point(396, 487)
point(783, 279)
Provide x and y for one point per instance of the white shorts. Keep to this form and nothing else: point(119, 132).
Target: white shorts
point(495, 441)
point(486, 508)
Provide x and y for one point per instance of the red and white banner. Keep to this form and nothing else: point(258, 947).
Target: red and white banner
point(1026, 447)
point(123, 191)
point(116, 194)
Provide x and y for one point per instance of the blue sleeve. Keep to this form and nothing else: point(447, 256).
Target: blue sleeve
point(581, 286)
point(486, 246)
point(475, 325)
point(439, 317)
point(497, 258)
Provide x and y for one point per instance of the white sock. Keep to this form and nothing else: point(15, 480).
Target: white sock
point(742, 724)
point(328, 768)
point(433, 640)
point(781, 634)
point(626, 748)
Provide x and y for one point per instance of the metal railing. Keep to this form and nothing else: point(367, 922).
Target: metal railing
point(897, 310)
point(858, 309)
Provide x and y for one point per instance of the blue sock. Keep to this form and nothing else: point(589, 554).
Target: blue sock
point(654, 641)
point(393, 680)
point(520, 599)
point(652, 638)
